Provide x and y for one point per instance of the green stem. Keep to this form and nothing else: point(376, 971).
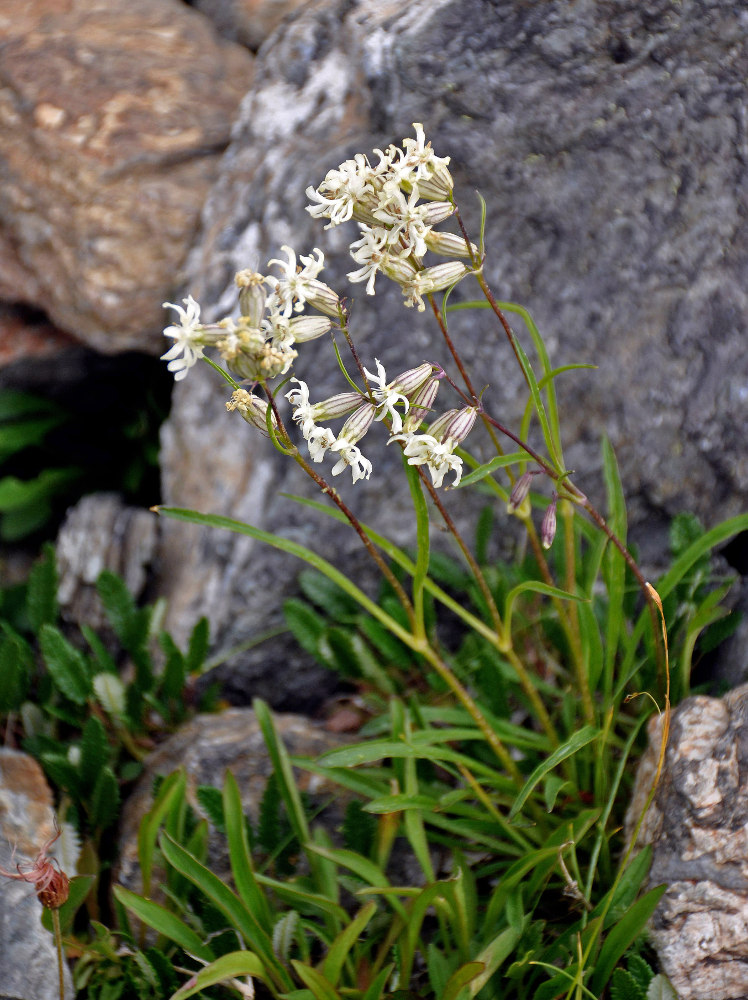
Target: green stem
point(60, 953)
point(572, 614)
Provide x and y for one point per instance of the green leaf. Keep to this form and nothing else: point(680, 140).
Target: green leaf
point(104, 800)
point(341, 946)
point(41, 595)
point(16, 669)
point(66, 665)
point(461, 978)
point(627, 929)
point(240, 855)
point(307, 625)
point(499, 462)
point(169, 799)
point(538, 587)
point(129, 622)
point(232, 966)
point(197, 649)
point(320, 987)
point(623, 986)
point(283, 772)
point(575, 743)
point(163, 921)
point(218, 893)
point(327, 595)
point(94, 747)
point(211, 802)
point(17, 493)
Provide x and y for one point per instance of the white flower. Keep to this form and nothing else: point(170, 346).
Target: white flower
point(303, 410)
point(297, 284)
point(404, 219)
point(320, 439)
point(343, 190)
point(386, 396)
point(186, 336)
point(351, 456)
point(424, 449)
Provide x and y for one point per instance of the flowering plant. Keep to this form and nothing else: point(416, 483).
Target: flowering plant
point(529, 727)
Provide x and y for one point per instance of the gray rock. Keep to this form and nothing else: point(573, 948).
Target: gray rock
point(207, 747)
point(28, 960)
point(699, 835)
point(608, 142)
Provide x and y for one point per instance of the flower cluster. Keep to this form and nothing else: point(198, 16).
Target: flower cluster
point(396, 202)
point(260, 343)
point(416, 391)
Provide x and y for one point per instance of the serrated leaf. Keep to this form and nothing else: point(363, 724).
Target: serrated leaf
point(283, 934)
point(41, 593)
point(104, 800)
point(94, 751)
point(129, 622)
point(66, 665)
point(306, 624)
point(16, 663)
point(211, 802)
point(623, 986)
point(197, 649)
point(327, 595)
point(110, 691)
point(661, 989)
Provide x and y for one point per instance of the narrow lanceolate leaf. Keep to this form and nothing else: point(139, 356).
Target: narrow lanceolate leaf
point(66, 665)
point(232, 907)
point(164, 922)
point(460, 979)
point(580, 739)
point(235, 965)
point(622, 936)
point(317, 983)
point(343, 943)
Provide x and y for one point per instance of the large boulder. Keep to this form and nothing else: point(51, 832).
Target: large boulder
point(606, 139)
point(115, 114)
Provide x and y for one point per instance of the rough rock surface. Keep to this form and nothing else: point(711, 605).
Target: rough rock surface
point(207, 747)
point(698, 828)
point(608, 140)
point(100, 533)
point(248, 22)
point(114, 114)
point(28, 960)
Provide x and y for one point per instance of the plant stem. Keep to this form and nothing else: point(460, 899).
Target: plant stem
point(326, 488)
point(60, 953)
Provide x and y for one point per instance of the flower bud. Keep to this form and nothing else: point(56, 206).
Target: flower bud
point(449, 244)
point(304, 328)
point(320, 296)
point(548, 526)
point(436, 278)
point(520, 491)
point(436, 211)
point(336, 406)
point(454, 425)
point(357, 424)
point(410, 381)
point(56, 891)
point(252, 295)
point(420, 404)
